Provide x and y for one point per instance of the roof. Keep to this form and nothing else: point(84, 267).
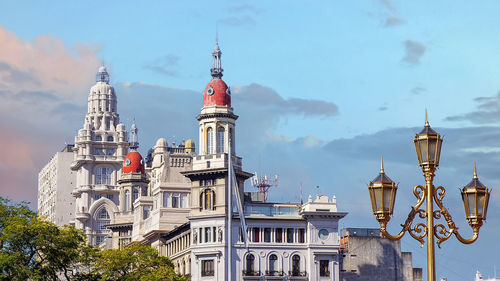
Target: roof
point(133, 163)
point(217, 93)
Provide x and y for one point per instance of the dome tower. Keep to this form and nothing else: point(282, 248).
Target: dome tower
point(100, 148)
point(216, 120)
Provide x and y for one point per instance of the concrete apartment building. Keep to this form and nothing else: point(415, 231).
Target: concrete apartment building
point(55, 183)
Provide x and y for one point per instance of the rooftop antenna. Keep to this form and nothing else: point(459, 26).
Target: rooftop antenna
point(264, 183)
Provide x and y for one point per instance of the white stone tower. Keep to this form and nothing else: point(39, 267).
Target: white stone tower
point(100, 148)
point(209, 200)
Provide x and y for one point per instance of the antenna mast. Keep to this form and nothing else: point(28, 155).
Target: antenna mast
point(264, 183)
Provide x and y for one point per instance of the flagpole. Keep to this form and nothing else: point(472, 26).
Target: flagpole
point(229, 214)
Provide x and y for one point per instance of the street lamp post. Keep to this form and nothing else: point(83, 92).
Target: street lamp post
point(475, 198)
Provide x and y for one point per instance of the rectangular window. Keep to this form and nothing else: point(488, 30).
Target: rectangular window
point(302, 235)
point(103, 175)
point(97, 196)
point(175, 200)
point(214, 231)
point(200, 240)
point(110, 152)
point(110, 197)
point(184, 200)
point(166, 198)
point(145, 212)
point(208, 232)
point(256, 234)
point(278, 235)
point(267, 235)
point(289, 235)
point(207, 268)
point(324, 268)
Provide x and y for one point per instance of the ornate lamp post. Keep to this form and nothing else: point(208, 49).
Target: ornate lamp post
point(475, 198)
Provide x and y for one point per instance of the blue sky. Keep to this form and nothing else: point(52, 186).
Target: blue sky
point(323, 88)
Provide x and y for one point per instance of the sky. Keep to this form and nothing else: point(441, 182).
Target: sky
point(323, 90)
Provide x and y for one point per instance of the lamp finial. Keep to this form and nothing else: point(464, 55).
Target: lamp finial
point(382, 164)
point(475, 171)
point(426, 119)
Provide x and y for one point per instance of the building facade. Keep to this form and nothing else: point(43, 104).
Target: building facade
point(192, 207)
point(368, 256)
point(56, 181)
point(100, 148)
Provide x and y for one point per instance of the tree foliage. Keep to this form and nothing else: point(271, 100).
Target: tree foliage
point(32, 248)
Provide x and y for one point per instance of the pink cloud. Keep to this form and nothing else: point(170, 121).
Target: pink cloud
point(43, 90)
point(49, 64)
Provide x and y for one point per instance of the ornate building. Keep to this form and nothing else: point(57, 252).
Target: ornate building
point(193, 206)
point(100, 148)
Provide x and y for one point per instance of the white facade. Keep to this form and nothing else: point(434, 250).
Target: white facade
point(100, 147)
point(178, 201)
point(55, 183)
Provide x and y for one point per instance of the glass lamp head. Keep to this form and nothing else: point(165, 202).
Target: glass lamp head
point(475, 196)
point(428, 146)
point(382, 195)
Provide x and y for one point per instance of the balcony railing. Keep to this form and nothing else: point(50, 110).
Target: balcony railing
point(271, 210)
point(251, 273)
point(274, 273)
point(297, 273)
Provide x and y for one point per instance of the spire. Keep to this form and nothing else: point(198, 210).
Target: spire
point(134, 139)
point(216, 69)
point(102, 74)
point(475, 171)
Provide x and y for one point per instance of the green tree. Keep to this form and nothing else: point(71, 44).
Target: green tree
point(136, 262)
point(35, 249)
point(32, 248)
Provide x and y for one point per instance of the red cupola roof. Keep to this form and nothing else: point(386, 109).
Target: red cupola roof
point(217, 93)
point(133, 163)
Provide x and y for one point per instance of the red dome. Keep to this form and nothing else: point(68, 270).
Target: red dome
point(133, 163)
point(217, 93)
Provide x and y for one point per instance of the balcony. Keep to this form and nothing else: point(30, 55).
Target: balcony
point(297, 275)
point(83, 217)
point(277, 273)
point(251, 275)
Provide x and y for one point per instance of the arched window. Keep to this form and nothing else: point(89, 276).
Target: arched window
point(98, 138)
point(102, 221)
point(207, 199)
point(210, 141)
point(273, 264)
point(127, 200)
point(296, 265)
point(135, 195)
point(110, 138)
point(250, 263)
point(103, 175)
point(220, 139)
